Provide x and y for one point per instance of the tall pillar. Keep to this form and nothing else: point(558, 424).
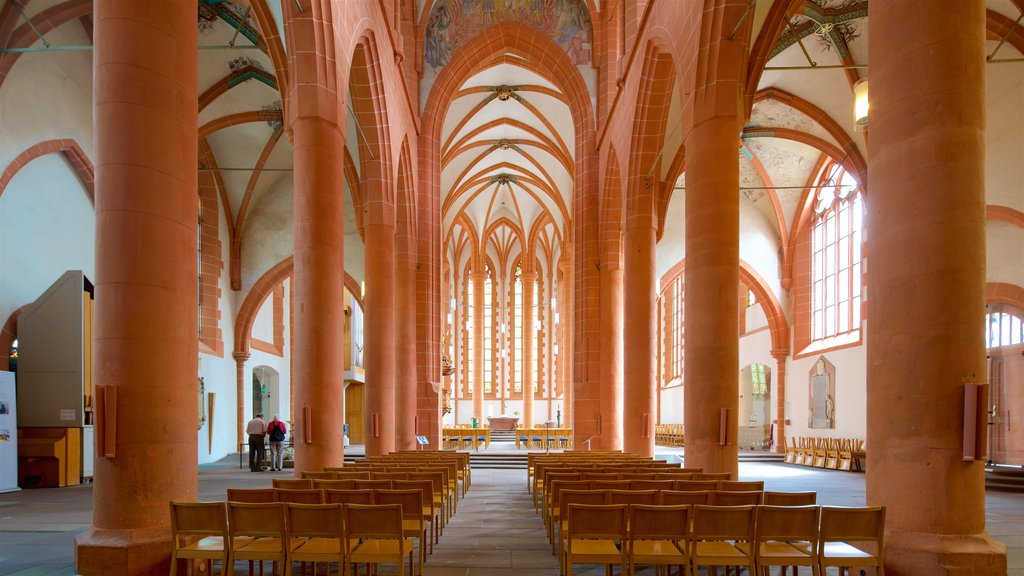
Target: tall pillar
point(711, 307)
point(565, 339)
point(240, 420)
point(379, 334)
point(146, 335)
point(641, 344)
point(610, 429)
point(926, 214)
point(318, 294)
point(780, 401)
point(529, 333)
point(405, 349)
point(477, 278)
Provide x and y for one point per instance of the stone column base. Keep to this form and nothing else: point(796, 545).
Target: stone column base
point(917, 553)
point(101, 552)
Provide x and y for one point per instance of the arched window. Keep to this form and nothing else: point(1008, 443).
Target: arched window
point(488, 333)
point(672, 332)
point(836, 256)
point(517, 326)
point(1004, 327)
point(468, 338)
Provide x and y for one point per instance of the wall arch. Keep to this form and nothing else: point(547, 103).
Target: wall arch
point(72, 153)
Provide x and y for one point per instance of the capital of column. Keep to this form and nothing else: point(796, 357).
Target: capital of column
point(240, 356)
point(478, 276)
point(527, 276)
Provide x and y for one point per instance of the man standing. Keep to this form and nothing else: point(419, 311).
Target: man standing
point(276, 430)
point(256, 429)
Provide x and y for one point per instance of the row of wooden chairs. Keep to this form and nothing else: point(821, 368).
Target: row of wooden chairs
point(458, 461)
point(546, 474)
point(466, 438)
point(290, 532)
point(544, 438)
point(756, 537)
point(668, 435)
point(831, 453)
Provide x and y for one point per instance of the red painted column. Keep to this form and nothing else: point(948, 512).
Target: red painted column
point(146, 331)
point(780, 402)
point(610, 428)
point(565, 339)
point(379, 331)
point(318, 294)
point(640, 322)
point(240, 420)
point(477, 278)
point(711, 355)
point(529, 332)
point(926, 305)
point(405, 350)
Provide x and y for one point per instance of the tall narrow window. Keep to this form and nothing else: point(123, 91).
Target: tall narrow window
point(1004, 328)
point(677, 328)
point(517, 337)
point(470, 344)
point(488, 334)
point(533, 324)
point(836, 256)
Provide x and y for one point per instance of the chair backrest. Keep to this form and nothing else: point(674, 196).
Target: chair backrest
point(372, 484)
point(609, 484)
point(374, 521)
point(652, 485)
point(198, 519)
point(252, 495)
point(596, 521)
point(674, 474)
point(787, 523)
point(741, 485)
point(789, 498)
point(334, 484)
point(694, 485)
point(364, 497)
point(724, 522)
point(647, 522)
point(390, 475)
point(558, 486)
point(852, 524)
point(637, 476)
point(689, 498)
point(311, 496)
point(649, 497)
point(411, 501)
point(424, 487)
point(256, 519)
point(712, 476)
point(314, 520)
point(567, 497)
point(292, 483)
point(721, 498)
point(353, 475)
point(318, 475)
point(600, 475)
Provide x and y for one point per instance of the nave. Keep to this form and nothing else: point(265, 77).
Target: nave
point(495, 532)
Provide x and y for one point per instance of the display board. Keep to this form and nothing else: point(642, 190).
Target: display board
point(8, 433)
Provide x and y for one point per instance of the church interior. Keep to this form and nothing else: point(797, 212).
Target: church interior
point(694, 229)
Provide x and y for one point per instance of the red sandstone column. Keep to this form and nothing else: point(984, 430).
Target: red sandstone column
point(405, 349)
point(529, 362)
point(146, 336)
point(240, 420)
point(565, 339)
point(379, 331)
point(610, 436)
point(318, 294)
point(640, 322)
point(926, 305)
point(477, 278)
point(780, 402)
point(711, 356)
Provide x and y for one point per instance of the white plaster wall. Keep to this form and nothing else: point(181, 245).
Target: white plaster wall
point(851, 394)
point(47, 226)
point(263, 326)
point(267, 238)
point(672, 405)
point(759, 246)
point(1004, 133)
point(48, 96)
point(671, 248)
point(1004, 256)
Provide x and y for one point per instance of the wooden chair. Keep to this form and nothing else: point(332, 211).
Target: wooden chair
point(568, 497)
point(374, 535)
point(351, 474)
point(740, 486)
point(311, 496)
point(257, 532)
point(724, 498)
point(716, 531)
point(390, 475)
point(595, 534)
point(696, 485)
point(431, 514)
point(318, 475)
point(786, 536)
point(552, 511)
point(252, 495)
point(204, 528)
point(652, 485)
point(413, 525)
point(659, 535)
point(839, 526)
point(631, 497)
point(315, 533)
point(609, 484)
point(712, 476)
point(678, 497)
point(333, 484)
point(789, 498)
point(348, 497)
point(436, 480)
point(372, 484)
point(292, 483)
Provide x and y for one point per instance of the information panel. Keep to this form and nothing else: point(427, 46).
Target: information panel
point(8, 433)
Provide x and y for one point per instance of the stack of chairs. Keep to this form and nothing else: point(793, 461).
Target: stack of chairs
point(668, 435)
point(832, 453)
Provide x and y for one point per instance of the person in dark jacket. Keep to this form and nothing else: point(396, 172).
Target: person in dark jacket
point(276, 430)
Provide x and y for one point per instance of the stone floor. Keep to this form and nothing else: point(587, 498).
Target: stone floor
point(494, 533)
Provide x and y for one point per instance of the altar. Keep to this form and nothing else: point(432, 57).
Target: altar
point(503, 422)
